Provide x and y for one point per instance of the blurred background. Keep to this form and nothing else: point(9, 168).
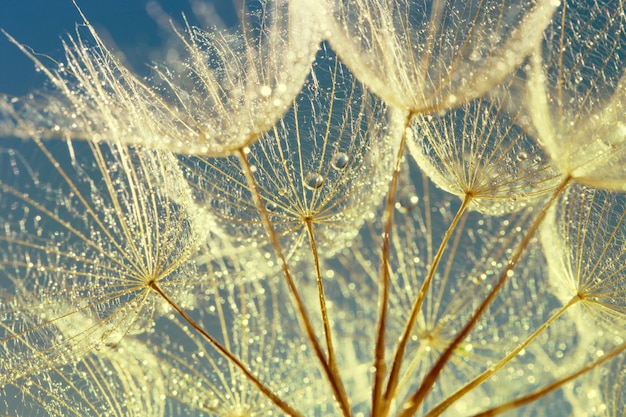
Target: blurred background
point(139, 29)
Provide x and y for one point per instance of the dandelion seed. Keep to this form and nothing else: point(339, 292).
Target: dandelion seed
point(107, 382)
point(315, 165)
point(203, 106)
point(422, 57)
point(583, 241)
point(137, 282)
point(577, 96)
point(109, 236)
point(481, 151)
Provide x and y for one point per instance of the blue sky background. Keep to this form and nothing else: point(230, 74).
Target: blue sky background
point(124, 24)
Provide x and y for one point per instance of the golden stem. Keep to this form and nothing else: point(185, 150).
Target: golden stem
point(336, 384)
point(440, 408)
point(527, 399)
point(411, 405)
point(379, 355)
point(332, 361)
point(404, 339)
point(227, 354)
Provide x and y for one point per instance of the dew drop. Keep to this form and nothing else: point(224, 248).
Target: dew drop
point(271, 206)
point(407, 202)
point(340, 160)
point(521, 156)
point(313, 181)
point(266, 91)
point(475, 55)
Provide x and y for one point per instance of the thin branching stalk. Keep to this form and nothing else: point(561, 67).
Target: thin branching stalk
point(332, 360)
point(227, 354)
point(379, 355)
point(540, 393)
point(404, 339)
point(410, 407)
point(272, 139)
point(451, 399)
point(336, 384)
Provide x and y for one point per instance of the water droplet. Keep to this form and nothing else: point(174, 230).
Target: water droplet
point(407, 202)
point(266, 91)
point(340, 160)
point(271, 206)
point(313, 181)
point(476, 55)
point(521, 156)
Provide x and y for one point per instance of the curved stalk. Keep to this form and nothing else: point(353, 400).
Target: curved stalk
point(227, 354)
point(336, 384)
point(404, 339)
point(379, 354)
point(411, 405)
point(493, 369)
point(527, 399)
point(332, 361)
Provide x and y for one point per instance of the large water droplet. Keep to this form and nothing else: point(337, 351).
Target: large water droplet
point(313, 181)
point(340, 160)
point(271, 206)
point(407, 202)
point(476, 55)
point(266, 91)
